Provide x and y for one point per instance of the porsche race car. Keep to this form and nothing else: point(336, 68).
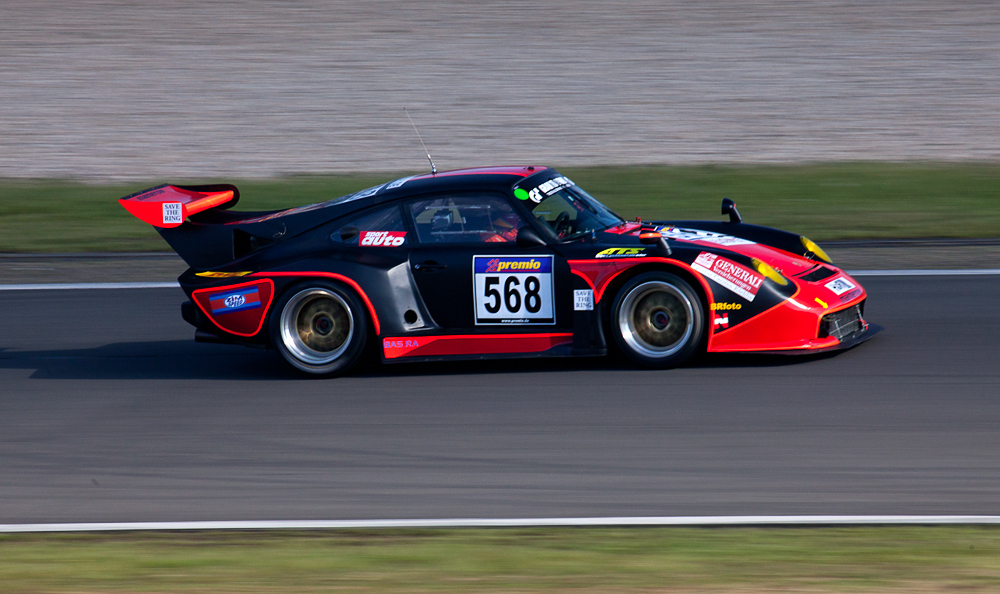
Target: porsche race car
point(491, 263)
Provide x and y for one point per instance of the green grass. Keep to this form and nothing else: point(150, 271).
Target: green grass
point(824, 201)
point(933, 559)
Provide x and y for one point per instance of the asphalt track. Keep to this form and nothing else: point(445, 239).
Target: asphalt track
point(109, 412)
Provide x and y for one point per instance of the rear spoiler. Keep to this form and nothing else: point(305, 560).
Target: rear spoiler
point(169, 206)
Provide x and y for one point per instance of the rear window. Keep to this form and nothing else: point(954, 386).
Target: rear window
point(381, 228)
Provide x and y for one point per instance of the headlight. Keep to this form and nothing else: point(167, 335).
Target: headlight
point(765, 269)
point(811, 246)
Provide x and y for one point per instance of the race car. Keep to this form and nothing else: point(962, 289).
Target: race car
point(494, 262)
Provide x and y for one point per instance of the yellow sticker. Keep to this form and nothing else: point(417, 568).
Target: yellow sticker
point(211, 274)
point(821, 302)
point(622, 253)
point(726, 306)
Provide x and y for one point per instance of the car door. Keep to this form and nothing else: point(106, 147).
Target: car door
point(474, 278)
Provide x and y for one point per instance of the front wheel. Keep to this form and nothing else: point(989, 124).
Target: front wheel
point(658, 320)
point(319, 328)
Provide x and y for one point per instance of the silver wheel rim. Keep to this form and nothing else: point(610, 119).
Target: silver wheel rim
point(317, 326)
point(656, 319)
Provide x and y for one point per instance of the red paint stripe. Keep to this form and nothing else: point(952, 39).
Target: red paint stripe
point(340, 277)
point(472, 344)
point(587, 279)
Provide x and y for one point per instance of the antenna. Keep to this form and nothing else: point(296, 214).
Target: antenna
point(433, 167)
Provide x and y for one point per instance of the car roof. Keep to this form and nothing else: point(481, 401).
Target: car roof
point(480, 177)
point(298, 219)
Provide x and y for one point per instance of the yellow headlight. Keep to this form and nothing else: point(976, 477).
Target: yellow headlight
point(811, 246)
point(765, 269)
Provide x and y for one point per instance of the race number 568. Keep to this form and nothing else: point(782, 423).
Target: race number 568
point(511, 299)
point(513, 290)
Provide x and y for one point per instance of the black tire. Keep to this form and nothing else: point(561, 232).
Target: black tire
point(319, 327)
point(658, 320)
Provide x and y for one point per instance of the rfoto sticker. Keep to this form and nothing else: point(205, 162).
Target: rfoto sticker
point(172, 213)
point(583, 300)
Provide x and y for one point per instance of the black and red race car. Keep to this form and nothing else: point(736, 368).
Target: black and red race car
point(494, 262)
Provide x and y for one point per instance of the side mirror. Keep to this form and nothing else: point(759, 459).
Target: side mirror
point(650, 237)
point(729, 208)
point(654, 238)
point(528, 237)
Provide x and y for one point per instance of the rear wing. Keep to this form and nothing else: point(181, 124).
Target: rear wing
point(169, 206)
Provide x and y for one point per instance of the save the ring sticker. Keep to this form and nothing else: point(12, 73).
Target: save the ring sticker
point(513, 290)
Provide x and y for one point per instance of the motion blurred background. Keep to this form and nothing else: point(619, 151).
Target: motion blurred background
point(186, 88)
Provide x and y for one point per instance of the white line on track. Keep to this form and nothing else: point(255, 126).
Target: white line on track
point(949, 272)
point(80, 286)
point(506, 523)
point(174, 285)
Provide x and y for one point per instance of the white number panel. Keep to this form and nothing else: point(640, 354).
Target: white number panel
point(513, 290)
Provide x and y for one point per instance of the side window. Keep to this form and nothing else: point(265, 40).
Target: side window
point(382, 228)
point(465, 219)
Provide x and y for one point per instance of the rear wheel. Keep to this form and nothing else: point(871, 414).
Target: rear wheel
point(658, 320)
point(319, 328)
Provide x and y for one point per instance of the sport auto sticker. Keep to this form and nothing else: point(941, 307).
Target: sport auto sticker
point(513, 290)
point(738, 279)
point(382, 238)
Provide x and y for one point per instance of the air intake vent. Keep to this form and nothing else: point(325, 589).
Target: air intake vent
point(842, 323)
point(818, 274)
point(244, 243)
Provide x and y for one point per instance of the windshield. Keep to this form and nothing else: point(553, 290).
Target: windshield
point(566, 209)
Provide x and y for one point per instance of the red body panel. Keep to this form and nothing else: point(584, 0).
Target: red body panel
point(791, 325)
point(238, 309)
point(471, 344)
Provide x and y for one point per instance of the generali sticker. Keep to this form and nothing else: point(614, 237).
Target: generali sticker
point(738, 279)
